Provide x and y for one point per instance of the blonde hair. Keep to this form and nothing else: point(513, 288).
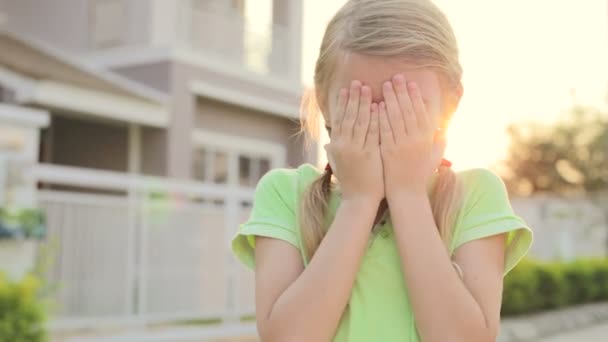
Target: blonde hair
point(415, 30)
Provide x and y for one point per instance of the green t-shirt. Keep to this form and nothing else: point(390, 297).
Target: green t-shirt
point(379, 308)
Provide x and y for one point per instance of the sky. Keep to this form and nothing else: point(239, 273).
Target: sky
point(523, 60)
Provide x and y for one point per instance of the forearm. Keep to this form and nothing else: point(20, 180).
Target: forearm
point(443, 306)
point(311, 307)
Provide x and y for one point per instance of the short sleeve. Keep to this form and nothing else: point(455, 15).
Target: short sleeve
point(273, 215)
point(486, 212)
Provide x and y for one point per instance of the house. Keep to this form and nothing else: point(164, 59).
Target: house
point(229, 81)
point(163, 115)
point(94, 114)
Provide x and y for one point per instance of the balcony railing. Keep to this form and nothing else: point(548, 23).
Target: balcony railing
point(228, 36)
point(223, 35)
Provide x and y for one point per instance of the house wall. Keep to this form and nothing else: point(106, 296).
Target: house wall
point(191, 110)
point(3, 4)
point(155, 75)
point(88, 144)
point(153, 151)
point(63, 23)
point(223, 118)
point(68, 24)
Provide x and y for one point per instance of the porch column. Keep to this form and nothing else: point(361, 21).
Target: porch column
point(180, 150)
point(134, 152)
point(287, 39)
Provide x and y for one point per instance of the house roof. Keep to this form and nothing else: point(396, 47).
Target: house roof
point(38, 60)
point(56, 79)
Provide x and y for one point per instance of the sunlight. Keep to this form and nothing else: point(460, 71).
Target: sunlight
point(521, 62)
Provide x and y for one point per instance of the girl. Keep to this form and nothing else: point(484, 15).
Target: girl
point(388, 243)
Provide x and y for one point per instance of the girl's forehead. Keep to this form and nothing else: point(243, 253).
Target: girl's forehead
point(373, 71)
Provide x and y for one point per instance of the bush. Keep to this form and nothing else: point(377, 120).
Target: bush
point(579, 276)
point(553, 286)
point(22, 313)
point(600, 278)
point(535, 286)
point(521, 287)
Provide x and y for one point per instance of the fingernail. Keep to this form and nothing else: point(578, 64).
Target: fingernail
point(398, 79)
point(365, 90)
point(355, 84)
point(412, 85)
point(374, 107)
point(388, 85)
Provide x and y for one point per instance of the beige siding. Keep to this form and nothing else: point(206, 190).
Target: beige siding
point(287, 96)
point(68, 24)
point(46, 20)
point(154, 151)
point(155, 75)
point(224, 118)
point(219, 117)
point(197, 111)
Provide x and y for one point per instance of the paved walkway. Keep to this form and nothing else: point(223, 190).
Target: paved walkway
point(596, 333)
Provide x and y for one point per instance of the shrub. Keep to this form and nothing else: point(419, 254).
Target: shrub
point(22, 313)
point(534, 286)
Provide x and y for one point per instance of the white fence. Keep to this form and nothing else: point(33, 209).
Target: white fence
point(564, 228)
point(142, 249)
point(128, 248)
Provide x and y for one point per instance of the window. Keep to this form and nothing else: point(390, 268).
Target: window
point(233, 160)
point(264, 166)
point(212, 166)
point(239, 6)
point(220, 170)
point(244, 170)
point(7, 95)
point(251, 169)
point(199, 165)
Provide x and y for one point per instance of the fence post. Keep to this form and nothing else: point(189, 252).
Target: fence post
point(142, 262)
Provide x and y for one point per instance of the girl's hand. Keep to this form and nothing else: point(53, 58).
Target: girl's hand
point(354, 150)
point(411, 145)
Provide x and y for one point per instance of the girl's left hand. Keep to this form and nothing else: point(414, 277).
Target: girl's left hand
point(410, 144)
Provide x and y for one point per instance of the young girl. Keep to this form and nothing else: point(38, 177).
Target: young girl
point(387, 243)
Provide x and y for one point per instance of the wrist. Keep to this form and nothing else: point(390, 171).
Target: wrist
point(407, 194)
point(360, 202)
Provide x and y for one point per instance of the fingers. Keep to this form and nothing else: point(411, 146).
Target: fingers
point(386, 132)
point(363, 118)
point(338, 115)
point(352, 110)
point(393, 111)
point(418, 107)
point(373, 133)
point(405, 102)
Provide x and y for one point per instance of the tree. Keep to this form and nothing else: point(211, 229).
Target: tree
point(567, 158)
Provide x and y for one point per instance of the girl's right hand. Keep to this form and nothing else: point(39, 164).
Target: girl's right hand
point(354, 148)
